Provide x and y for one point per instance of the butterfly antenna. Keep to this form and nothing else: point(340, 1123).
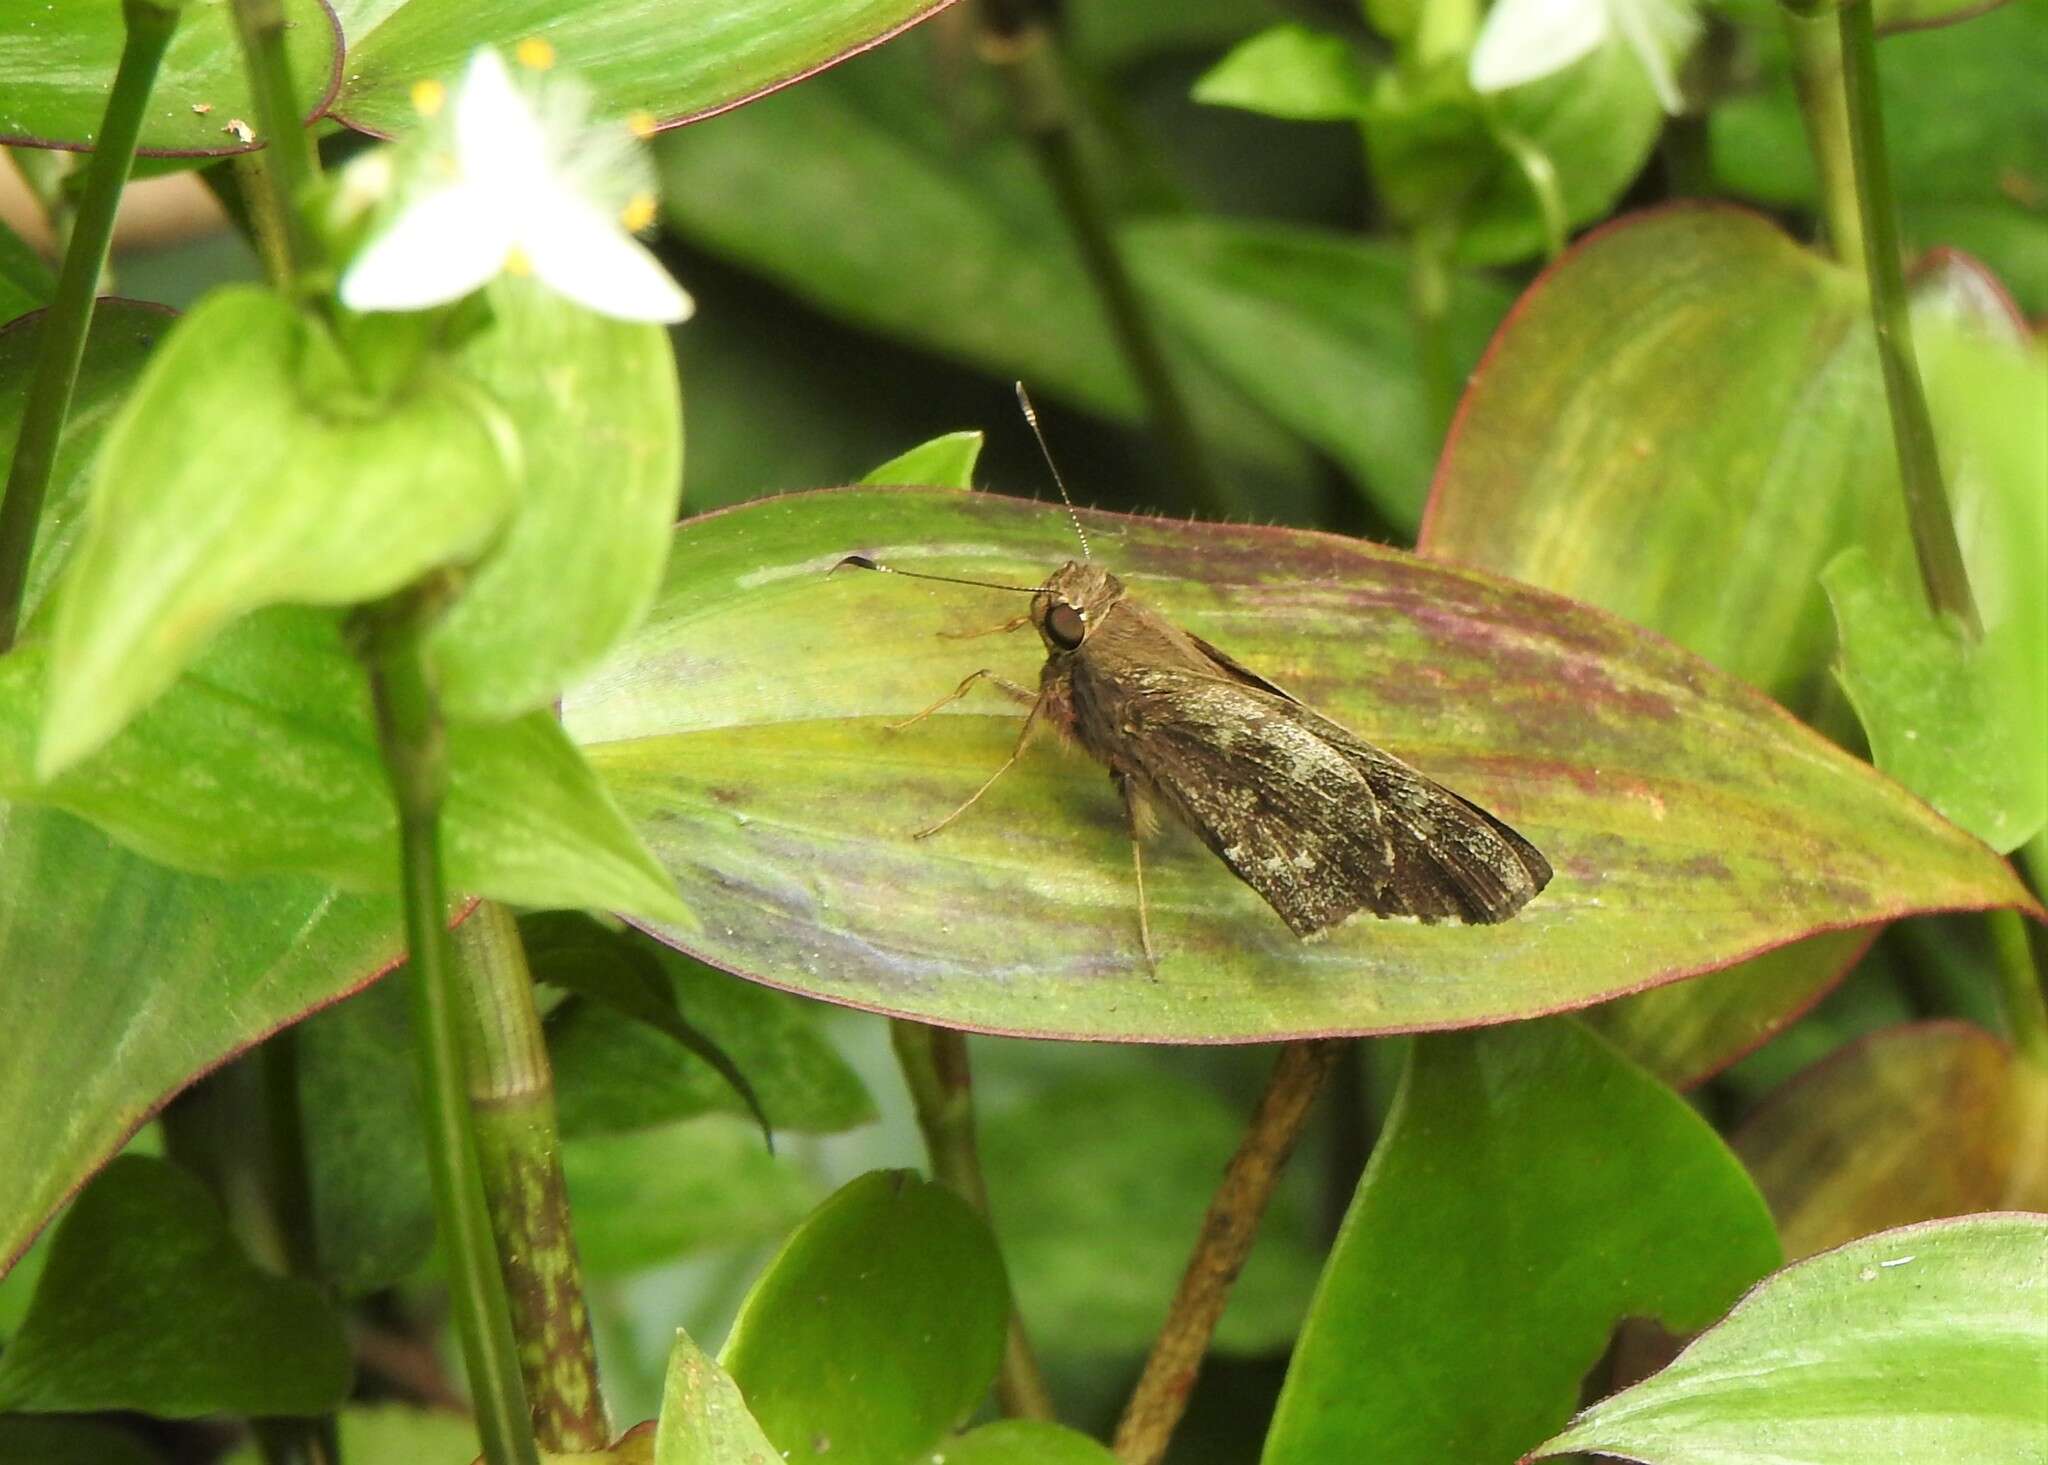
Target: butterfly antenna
point(1031, 416)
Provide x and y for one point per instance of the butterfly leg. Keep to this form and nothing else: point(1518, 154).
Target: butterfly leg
point(1137, 815)
point(1012, 624)
point(1023, 737)
point(1009, 689)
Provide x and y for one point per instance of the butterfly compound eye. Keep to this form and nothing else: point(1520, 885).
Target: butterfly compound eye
point(1064, 625)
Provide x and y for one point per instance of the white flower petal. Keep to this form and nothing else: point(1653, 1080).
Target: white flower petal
point(499, 144)
point(580, 253)
point(1526, 40)
point(440, 247)
point(1660, 32)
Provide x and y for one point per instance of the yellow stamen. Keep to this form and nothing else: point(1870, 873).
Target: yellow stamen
point(428, 97)
point(638, 213)
point(642, 124)
point(535, 54)
point(516, 263)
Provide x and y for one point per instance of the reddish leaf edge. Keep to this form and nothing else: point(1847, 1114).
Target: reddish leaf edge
point(1911, 1229)
point(2020, 899)
point(327, 96)
point(766, 89)
point(370, 979)
point(29, 317)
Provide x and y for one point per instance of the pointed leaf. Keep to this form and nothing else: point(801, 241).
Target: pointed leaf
point(191, 526)
point(57, 64)
point(639, 56)
point(704, 1421)
point(1291, 71)
point(1922, 1343)
point(1690, 821)
point(263, 758)
point(148, 1304)
point(1531, 1190)
point(628, 978)
point(944, 462)
point(594, 402)
point(1909, 1124)
point(876, 1329)
point(614, 1073)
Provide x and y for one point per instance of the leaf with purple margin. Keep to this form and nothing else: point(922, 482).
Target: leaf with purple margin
point(671, 63)
point(1691, 821)
point(57, 63)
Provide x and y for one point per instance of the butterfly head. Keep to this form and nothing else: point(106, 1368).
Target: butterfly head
point(1071, 603)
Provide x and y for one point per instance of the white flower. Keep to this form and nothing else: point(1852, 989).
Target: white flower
point(515, 186)
point(1525, 40)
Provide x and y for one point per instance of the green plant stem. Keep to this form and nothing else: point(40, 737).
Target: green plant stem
point(935, 1069)
point(289, 162)
point(64, 327)
point(1927, 510)
point(414, 746)
point(1225, 1240)
point(1429, 304)
point(1817, 76)
point(512, 1093)
point(2026, 1011)
point(1019, 45)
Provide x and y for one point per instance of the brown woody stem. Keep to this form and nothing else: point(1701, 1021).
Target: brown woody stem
point(1161, 1396)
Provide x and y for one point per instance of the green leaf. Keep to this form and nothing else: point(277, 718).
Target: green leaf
point(614, 1073)
point(1958, 180)
point(1317, 328)
point(704, 1421)
point(1910, 1124)
point(1134, 1155)
point(262, 758)
point(1294, 72)
point(594, 401)
point(131, 980)
point(635, 55)
point(1690, 821)
point(29, 1439)
point(1531, 1190)
point(222, 487)
point(366, 1161)
point(148, 1304)
point(1922, 1343)
point(1576, 464)
point(876, 1329)
point(123, 334)
point(26, 280)
point(1025, 1442)
point(1962, 723)
point(972, 260)
point(1936, 708)
point(575, 954)
point(57, 64)
point(648, 1197)
point(944, 462)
